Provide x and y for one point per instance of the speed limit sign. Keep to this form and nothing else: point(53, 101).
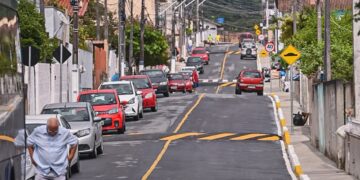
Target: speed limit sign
point(269, 47)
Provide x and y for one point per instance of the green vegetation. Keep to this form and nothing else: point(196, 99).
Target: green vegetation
point(32, 31)
point(312, 52)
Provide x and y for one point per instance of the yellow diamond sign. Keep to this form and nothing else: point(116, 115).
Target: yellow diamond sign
point(263, 53)
point(258, 32)
point(290, 55)
point(256, 27)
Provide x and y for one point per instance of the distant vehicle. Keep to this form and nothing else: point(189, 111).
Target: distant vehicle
point(108, 107)
point(158, 80)
point(143, 83)
point(127, 92)
point(202, 53)
point(197, 62)
point(248, 50)
point(82, 119)
point(245, 35)
point(177, 82)
point(248, 40)
point(250, 81)
point(187, 68)
point(34, 121)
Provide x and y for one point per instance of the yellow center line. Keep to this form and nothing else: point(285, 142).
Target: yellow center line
point(167, 143)
point(247, 136)
point(217, 136)
point(222, 69)
point(272, 138)
point(180, 136)
point(226, 84)
point(7, 138)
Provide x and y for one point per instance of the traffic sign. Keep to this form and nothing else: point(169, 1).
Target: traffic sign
point(256, 27)
point(258, 32)
point(263, 53)
point(30, 55)
point(261, 37)
point(290, 55)
point(270, 47)
point(65, 54)
point(220, 20)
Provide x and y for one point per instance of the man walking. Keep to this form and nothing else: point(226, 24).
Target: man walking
point(48, 150)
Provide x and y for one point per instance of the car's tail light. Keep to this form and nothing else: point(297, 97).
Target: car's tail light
point(241, 80)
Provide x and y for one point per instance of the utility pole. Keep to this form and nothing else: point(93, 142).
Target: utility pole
point(202, 26)
point(267, 13)
point(42, 8)
point(356, 50)
point(173, 47)
point(142, 31)
point(121, 45)
point(106, 22)
point(327, 62)
point(319, 25)
point(294, 16)
point(131, 45)
point(97, 20)
point(75, 70)
point(197, 24)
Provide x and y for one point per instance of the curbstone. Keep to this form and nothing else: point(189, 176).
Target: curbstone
point(295, 164)
point(281, 118)
point(286, 136)
point(304, 177)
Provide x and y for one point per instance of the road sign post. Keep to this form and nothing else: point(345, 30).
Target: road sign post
point(290, 55)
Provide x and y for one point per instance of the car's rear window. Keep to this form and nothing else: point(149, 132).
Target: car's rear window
point(250, 74)
point(153, 73)
point(142, 83)
point(97, 99)
point(70, 114)
point(193, 60)
point(121, 89)
point(198, 51)
point(176, 77)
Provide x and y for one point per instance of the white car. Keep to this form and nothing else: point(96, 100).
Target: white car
point(127, 92)
point(33, 121)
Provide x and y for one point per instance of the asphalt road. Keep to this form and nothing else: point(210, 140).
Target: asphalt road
point(210, 134)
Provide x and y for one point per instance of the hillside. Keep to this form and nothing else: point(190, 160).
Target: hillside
point(240, 15)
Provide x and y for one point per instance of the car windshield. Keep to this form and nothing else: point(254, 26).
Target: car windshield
point(176, 77)
point(248, 45)
point(71, 114)
point(121, 89)
point(97, 99)
point(249, 74)
point(194, 60)
point(30, 127)
point(153, 73)
point(142, 83)
point(199, 51)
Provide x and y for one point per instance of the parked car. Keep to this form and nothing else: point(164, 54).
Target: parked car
point(82, 119)
point(126, 91)
point(108, 107)
point(158, 81)
point(143, 83)
point(34, 121)
point(177, 82)
point(248, 50)
point(202, 53)
point(250, 81)
point(197, 62)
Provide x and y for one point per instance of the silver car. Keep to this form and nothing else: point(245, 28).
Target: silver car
point(33, 121)
point(81, 117)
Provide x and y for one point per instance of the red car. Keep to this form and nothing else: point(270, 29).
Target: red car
point(177, 82)
point(202, 53)
point(107, 106)
point(250, 81)
point(143, 84)
point(189, 85)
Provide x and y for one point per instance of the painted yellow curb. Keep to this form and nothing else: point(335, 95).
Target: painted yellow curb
point(298, 170)
point(286, 136)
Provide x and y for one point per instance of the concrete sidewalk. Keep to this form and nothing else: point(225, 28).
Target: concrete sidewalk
point(314, 163)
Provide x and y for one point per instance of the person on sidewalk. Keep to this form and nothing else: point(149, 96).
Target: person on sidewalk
point(210, 39)
point(48, 149)
point(217, 39)
point(190, 45)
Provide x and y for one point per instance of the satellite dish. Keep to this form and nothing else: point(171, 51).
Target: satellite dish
point(62, 18)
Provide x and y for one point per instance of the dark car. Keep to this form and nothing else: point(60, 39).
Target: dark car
point(159, 81)
point(197, 62)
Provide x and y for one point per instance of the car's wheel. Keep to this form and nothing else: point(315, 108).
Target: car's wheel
point(94, 153)
point(141, 114)
point(237, 90)
point(184, 91)
point(154, 109)
point(76, 167)
point(202, 72)
point(260, 93)
point(167, 94)
point(122, 130)
point(100, 149)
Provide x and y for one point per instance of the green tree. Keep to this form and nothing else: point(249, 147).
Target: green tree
point(32, 30)
point(312, 52)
